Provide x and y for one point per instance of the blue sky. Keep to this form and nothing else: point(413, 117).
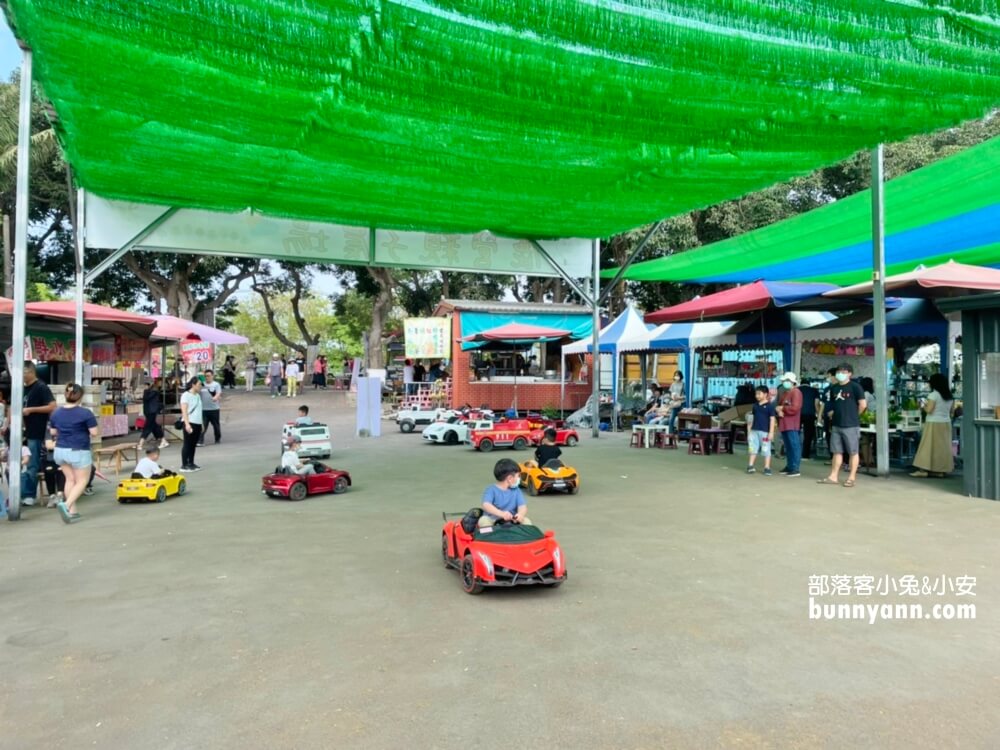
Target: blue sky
point(10, 53)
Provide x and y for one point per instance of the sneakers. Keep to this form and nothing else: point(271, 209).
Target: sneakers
point(751, 470)
point(164, 443)
point(190, 468)
point(767, 472)
point(88, 491)
point(199, 445)
point(27, 501)
point(793, 473)
point(783, 471)
point(54, 499)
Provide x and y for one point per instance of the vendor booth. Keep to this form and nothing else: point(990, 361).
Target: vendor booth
point(497, 374)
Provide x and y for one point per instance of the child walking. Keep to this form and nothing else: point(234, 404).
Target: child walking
point(760, 436)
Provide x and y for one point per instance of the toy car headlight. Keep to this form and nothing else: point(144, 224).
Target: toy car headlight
point(487, 562)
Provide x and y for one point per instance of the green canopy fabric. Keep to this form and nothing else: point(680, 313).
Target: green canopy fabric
point(949, 210)
point(535, 118)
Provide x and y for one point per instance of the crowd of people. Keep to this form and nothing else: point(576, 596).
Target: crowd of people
point(284, 373)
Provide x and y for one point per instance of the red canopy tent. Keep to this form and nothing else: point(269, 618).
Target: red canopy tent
point(949, 279)
point(518, 332)
point(730, 303)
point(97, 317)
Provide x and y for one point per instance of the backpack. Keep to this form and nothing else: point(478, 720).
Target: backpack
point(470, 521)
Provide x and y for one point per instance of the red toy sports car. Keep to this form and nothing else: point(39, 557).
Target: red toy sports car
point(296, 487)
point(564, 436)
point(503, 555)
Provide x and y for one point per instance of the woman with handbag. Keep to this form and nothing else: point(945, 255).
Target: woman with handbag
point(191, 417)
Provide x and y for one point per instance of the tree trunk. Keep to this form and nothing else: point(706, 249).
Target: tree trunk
point(380, 313)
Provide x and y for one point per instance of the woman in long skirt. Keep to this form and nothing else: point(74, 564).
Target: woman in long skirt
point(934, 456)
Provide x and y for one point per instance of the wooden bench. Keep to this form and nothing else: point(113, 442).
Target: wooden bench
point(116, 454)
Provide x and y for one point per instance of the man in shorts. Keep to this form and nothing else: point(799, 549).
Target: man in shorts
point(846, 403)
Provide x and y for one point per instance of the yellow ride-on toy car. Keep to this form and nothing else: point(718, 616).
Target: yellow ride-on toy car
point(151, 490)
point(554, 476)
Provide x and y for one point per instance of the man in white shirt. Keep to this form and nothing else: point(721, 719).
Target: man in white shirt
point(290, 460)
point(408, 377)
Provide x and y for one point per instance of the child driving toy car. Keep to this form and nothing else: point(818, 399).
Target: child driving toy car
point(149, 467)
point(547, 451)
point(303, 418)
point(503, 500)
point(290, 460)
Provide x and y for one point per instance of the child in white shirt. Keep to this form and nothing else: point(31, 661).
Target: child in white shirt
point(303, 418)
point(148, 468)
point(290, 460)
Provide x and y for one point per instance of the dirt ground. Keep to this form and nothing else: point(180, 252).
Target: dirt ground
point(222, 619)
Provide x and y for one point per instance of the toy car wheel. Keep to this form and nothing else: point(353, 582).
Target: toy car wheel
point(406, 426)
point(571, 441)
point(532, 488)
point(469, 583)
point(451, 437)
point(340, 485)
point(122, 500)
point(574, 489)
point(182, 487)
point(298, 491)
point(444, 550)
point(161, 494)
point(485, 445)
point(520, 443)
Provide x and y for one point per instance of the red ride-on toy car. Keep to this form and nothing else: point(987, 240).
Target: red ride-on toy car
point(502, 555)
point(297, 487)
point(564, 436)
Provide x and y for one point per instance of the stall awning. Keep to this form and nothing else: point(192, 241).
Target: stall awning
point(178, 329)
point(96, 317)
point(914, 318)
point(535, 118)
point(472, 323)
point(947, 210)
point(729, 303)
point(617, 336)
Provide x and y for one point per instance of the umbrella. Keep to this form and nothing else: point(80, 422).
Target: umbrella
point(760, 295)
point(949, 279)
point(170, 327)
point(518, 333)
point(97, 317)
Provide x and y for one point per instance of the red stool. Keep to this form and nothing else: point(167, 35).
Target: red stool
point(723, 444)
point(636, 441)
point(665, 440)
point(697, 445)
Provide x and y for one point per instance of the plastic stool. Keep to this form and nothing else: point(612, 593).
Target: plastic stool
point(665, 440)
point(724, 445)
point(636, 441)
point(699, 444)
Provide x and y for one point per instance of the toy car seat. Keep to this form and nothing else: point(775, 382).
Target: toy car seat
point(553, 463)
point(470, 521)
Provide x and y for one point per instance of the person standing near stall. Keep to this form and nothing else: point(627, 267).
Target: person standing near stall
point(191, 415)
point(810, 396)
point(275, 374)
point(38, 404)
point(847, 402)
point(292, 374)
point(211, 407)
point(789, 410)
point(229, 373)
point(151, 408)
point(934, 457)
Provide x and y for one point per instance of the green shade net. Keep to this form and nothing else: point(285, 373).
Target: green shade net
point(949, 210)
point(538, 118)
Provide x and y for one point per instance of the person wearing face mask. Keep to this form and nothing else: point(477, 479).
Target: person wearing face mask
point(676, 400)
point(847, 402)
point(789, 410)
point(72, 427)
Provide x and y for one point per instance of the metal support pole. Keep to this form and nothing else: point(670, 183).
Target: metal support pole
point(580, 291)
point(878, 300)
point(595, 371)
point(113, 258)
point(81, 228)
point(16, 366)
point(630, 260)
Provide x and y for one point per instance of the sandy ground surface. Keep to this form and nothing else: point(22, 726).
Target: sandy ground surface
point(226, 620)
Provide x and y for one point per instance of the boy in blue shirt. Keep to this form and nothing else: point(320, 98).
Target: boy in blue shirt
point(760, 436)
point(503, 501)
point(303, 418)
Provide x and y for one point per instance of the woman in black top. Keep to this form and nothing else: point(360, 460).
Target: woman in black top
point(151, 408)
